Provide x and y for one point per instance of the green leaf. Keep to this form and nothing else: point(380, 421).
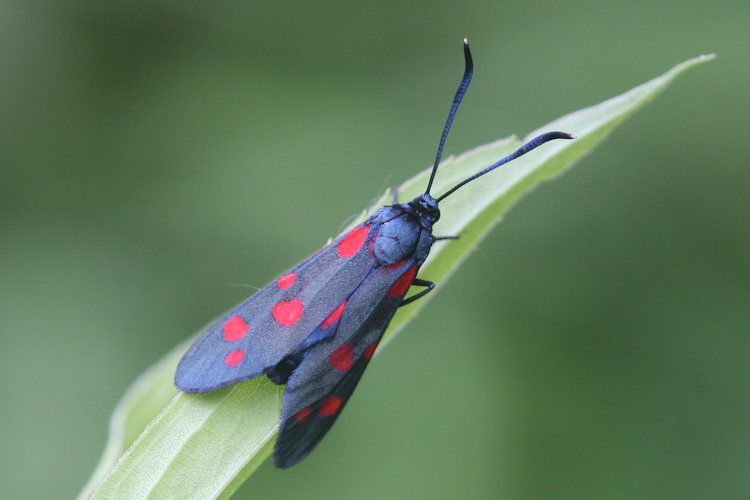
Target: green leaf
point(205, 446)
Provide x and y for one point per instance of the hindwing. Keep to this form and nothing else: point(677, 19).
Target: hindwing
point(329, 370)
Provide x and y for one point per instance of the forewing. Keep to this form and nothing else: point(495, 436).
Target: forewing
point(261, 331)
point(321, 385)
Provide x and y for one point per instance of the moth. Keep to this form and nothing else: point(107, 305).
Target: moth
point(316, 327)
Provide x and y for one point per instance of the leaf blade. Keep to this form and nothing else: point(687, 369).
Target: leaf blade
point(230, 432)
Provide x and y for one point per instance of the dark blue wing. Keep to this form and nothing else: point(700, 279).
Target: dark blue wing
point(328, 372)
point(263, 330)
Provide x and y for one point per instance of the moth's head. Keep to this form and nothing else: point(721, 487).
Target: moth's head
point(426, 206)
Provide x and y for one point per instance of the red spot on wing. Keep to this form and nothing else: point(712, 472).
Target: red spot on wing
point(286, 281)
point(403, 283)
point(330, 406)
point(352, 242)
point(334, 316)
point(342, 357)
point(234, 357)
point(303, 414)
point(395, 266)
point(287, 312)
point(370, 350)
point(235, 329)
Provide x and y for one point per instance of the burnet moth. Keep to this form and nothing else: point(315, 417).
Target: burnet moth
point(316, 327)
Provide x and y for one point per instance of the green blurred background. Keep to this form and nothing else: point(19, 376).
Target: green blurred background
point(159, 157)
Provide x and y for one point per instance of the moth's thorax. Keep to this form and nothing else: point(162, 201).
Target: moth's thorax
point(405, 231)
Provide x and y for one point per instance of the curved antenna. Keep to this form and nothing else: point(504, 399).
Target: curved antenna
point(469, 69)
point(533, 143)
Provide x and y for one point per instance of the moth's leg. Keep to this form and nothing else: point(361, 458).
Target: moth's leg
point(438, 238)
point(280, 373)
point(419, 282)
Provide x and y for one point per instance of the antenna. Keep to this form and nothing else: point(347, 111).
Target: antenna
point(468, 71)
point(533, 143)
